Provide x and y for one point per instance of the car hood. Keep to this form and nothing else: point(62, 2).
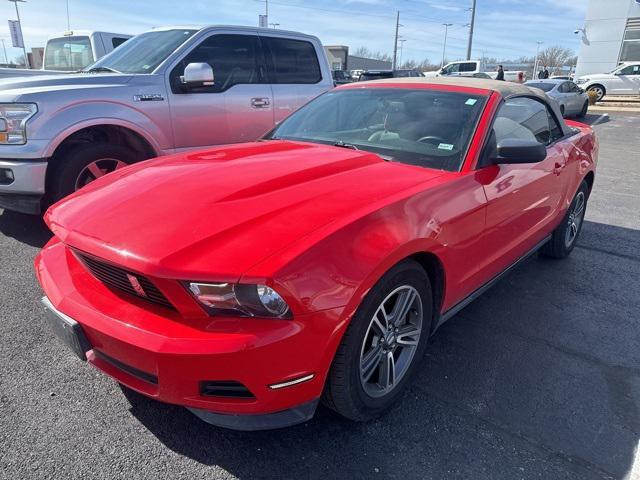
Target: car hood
point(14, 88)
point(214, 214)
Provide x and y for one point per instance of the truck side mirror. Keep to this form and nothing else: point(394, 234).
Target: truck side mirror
point(197, 75)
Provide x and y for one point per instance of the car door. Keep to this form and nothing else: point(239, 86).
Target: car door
point(294, 73)
point(237, 108)
point(523, 199)
point(626, 81)
point(576, 99)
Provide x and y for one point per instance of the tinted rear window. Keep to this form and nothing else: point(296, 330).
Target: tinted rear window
point(293, 61)
point(545, 87)
point(375, 75)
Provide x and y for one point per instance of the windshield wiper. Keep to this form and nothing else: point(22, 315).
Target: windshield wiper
point(345, 145)
point(101, 69)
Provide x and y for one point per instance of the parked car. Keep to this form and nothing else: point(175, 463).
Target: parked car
point(70, 52)
point(340, 77)
point(572, 99)
point(468, 68)
point(355, 74)
point(379, 74)
point(247, 282)
point(154, 95)
point(622, 80)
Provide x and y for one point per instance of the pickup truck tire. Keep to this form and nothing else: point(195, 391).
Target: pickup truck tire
point(84, 163)
point(566, 234)
point(356, 386)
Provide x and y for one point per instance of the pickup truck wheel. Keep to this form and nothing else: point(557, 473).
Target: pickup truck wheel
point(383, 344)
point(564, 237)
point(84, 163)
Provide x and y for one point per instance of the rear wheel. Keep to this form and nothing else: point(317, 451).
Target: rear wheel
point(583, 112)
point(598, 90)
point(383, 344)
point(83, 164)
point(564, 237)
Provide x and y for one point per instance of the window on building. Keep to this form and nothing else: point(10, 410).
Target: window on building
point(630, 46)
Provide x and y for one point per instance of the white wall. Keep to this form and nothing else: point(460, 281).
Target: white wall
point(605, 23)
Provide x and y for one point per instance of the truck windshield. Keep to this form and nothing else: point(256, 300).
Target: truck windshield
point(68, 54)
point(425, 127)
point(143, 53)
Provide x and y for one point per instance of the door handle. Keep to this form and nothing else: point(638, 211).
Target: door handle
point(260, 102)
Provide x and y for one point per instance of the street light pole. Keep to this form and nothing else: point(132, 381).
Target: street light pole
point(473, 21)
point(24, 49)
point(535, 63)
point(395, 42)
point(4, 49)
point(274, 25)
point(444, 46)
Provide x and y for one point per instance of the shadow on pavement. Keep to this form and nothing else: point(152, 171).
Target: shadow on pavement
point(539, 378)
point(591, 118)
point(29, 229)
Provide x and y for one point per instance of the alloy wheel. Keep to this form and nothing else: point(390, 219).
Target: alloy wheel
point(97, 169)
point(391, 341)
point(576, 216)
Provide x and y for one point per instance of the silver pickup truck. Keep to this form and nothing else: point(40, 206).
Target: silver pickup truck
point(163, 91)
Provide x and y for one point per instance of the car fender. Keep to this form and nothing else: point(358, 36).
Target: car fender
point(64, 123)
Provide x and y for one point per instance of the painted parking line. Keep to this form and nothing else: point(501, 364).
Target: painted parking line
point(601, 118)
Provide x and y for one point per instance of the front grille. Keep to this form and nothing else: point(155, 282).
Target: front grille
point(119, 279)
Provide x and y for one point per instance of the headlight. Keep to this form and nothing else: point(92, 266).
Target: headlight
point(239, 299)
point(13, 122)
point(580, 81)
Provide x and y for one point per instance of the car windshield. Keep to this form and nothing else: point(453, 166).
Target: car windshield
point(143, 53)
point(68, 54)
point(428, 128)
point(545, 87)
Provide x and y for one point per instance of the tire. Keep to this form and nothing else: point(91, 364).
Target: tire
point(599, 89)
point(583, 112)
point(346, 391)
point(74, 168)
point(565, 236)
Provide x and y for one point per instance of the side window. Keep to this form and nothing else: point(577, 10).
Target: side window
point(292, 61)
point(630, 70)
point(452, 69)
point(574, 88)
point(234, 59)
point(468, 67)
point(564, 88)
point(526, 119)
point(117, 41)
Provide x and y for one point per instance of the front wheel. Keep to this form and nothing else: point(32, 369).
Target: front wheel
point(598, 90)
point(564, 237)
point(85, 163)
point(383, 344)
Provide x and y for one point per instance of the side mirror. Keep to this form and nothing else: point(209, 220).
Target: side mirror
point(516, 150)
point(197, 75)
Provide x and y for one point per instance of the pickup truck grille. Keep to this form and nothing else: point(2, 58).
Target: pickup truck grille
point(124, 280)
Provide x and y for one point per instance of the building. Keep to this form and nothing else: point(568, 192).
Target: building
point(610, 36)
point(339, 59)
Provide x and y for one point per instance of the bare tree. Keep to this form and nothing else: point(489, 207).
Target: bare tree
point(555, 57)
point(364, 52)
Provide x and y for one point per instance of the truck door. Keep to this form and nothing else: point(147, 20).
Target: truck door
point(237, 108)
point(294, 73)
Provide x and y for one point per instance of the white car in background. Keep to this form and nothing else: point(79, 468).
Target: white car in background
point(622, 80)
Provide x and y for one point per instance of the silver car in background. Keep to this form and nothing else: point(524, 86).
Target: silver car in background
point(572, 99)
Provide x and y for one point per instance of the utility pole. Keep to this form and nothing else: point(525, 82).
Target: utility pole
point(395, 42)
point(68, 22)
point(444, 47)
point(535, 63)
point(401, 40)
point(473, 21)
point(24, 49)
point(4, 49)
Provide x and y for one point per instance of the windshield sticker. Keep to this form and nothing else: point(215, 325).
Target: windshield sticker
point(445, 146)
point(471, 101)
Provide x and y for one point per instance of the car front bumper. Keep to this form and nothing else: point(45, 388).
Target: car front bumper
point(22, 184)
point(169, 359)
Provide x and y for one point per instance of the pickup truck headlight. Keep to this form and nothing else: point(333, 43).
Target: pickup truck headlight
point(580, 81)
point(240, 299)
point(13, 122)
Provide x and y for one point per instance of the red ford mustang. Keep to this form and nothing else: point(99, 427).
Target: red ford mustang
point(248, 282)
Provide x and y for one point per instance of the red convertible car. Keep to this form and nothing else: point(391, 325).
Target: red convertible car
point(249, 282)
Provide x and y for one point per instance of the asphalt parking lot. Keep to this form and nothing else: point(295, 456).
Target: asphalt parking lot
point(539, 378)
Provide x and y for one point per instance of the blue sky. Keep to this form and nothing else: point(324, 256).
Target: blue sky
point(504, 28)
